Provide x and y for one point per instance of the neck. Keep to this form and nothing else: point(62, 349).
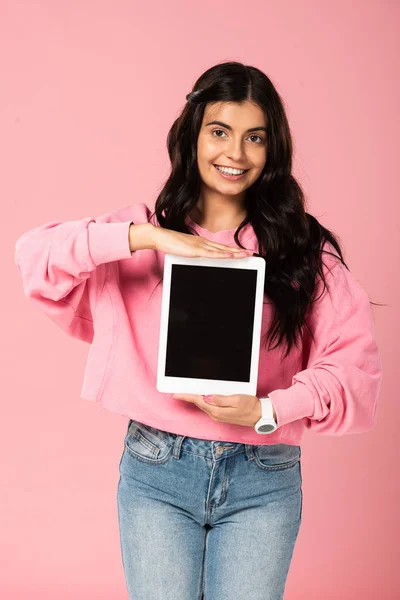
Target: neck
point(217, 212)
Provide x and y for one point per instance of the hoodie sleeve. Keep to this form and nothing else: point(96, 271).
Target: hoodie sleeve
point(337, 391)
point(62, 267)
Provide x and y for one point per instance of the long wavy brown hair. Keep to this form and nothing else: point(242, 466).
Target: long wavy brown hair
point(289, 239)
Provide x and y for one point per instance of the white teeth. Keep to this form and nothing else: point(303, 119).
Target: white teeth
point(230, 171)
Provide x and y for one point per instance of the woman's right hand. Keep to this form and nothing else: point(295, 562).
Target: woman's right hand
point(183, 244)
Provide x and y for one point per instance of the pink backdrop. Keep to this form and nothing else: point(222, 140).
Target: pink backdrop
point(88, 93)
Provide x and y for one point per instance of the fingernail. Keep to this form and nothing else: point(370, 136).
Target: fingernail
point(207, 398)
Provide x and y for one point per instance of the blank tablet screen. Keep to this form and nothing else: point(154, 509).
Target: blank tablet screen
point(210, 322)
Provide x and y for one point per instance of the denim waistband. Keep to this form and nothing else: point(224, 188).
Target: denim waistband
point(213, 449)
point(209, 448)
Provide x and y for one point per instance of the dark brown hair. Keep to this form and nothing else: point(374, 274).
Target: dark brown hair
point(289, 239)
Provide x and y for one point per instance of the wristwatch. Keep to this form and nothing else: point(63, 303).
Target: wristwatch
point(267, 423)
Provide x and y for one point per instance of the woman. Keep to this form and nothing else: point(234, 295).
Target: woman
point(206, 503)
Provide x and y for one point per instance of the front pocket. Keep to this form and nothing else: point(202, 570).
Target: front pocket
point(276, 456)
point(148, 443)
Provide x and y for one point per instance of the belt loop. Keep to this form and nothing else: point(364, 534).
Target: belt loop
point(249, 451)
point(176, 451)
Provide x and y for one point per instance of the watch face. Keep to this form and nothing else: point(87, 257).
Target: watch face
point(266, 428)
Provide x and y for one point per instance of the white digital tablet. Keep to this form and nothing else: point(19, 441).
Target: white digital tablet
point(210, 329)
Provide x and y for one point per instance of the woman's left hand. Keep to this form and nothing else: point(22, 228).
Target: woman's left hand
point(238, 409)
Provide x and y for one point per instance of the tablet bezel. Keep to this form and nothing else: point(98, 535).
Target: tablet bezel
point(210, 386)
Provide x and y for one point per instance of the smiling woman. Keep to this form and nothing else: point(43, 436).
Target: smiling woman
point(196, 477)
point(235, 119)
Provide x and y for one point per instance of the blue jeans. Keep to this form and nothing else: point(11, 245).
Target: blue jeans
point(206, 519)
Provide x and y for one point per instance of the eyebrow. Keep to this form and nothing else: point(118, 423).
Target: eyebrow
point(230, 128)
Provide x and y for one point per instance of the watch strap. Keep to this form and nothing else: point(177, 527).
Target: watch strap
point(267, 423)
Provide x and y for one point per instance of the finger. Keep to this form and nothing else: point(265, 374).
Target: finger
point(226, 248)
point(228, 254)
point(229, 401)
point(190, 397)
point(233, 252)
point(197, 400)
point(187, 397)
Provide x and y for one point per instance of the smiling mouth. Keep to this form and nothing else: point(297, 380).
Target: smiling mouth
point(224, 167)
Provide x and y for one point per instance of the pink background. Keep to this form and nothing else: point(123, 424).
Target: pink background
point(89, 91)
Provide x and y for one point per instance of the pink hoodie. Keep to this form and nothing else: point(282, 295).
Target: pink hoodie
point(83, 276)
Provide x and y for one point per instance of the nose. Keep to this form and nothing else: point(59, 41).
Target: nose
point(236, 151)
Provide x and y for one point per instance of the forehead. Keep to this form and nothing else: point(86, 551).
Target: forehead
point(246, 114)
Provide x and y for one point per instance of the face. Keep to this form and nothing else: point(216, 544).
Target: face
point(238, 139)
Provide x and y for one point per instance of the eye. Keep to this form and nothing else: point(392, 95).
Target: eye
point(259, 137)
point(251, 136)
point(214, 130)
